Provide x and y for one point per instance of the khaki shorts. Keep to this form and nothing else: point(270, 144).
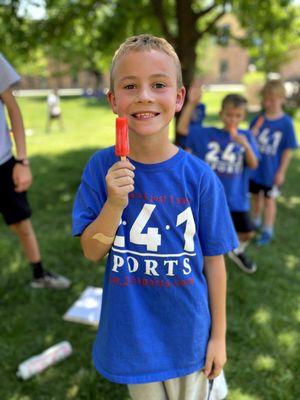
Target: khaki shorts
point(194, 386)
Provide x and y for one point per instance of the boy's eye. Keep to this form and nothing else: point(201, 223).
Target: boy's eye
point(129, 86)
point(159, 85)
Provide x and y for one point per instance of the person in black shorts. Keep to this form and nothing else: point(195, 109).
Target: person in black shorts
point(15, 179)
point(276, 139)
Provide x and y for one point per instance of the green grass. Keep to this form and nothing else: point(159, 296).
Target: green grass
point(263, 309)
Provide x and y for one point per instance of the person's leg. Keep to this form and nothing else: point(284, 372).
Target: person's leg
point(269, 221)
point(245, 231)
point(41, 278)
point(16, 212)
point(270, 213)
point(257, 207)
point(24, 231)
point(148, 391)
point(256, 190)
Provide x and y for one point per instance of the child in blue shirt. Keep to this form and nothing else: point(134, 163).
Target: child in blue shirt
point(192, 114)
point(231, 152)
point(162, 219)
point(275, 136)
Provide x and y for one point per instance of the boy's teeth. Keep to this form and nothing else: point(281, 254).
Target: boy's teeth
point(144, 115)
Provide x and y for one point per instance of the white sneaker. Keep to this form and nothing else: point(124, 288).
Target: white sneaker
point(243, 262)
point(49, 280)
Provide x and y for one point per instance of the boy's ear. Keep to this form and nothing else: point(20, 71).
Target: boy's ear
point(180, 98)
point(112, 101)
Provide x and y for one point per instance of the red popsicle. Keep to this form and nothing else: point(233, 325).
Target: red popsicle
point(122, 142)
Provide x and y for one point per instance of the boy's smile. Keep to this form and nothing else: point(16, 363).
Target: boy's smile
point(146, 92)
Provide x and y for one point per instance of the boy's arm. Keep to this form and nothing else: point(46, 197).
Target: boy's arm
point(194, 98)
point(215, 272)
point(251, 159)
point(185, 119)
point(21, 173)
point(284, 163)
point(16, 120)
point(119, 181)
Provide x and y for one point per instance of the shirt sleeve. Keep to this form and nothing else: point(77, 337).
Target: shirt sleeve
point(216, 231)
point(90, 197)
point(290, 141)
point(8, 75)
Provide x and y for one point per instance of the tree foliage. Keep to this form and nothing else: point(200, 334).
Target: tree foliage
point(272, 30)
point(85, 33)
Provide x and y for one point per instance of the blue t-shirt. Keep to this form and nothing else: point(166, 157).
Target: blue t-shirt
point(227, 158)
point(155, 319)
point(197, 118)
point(8, 77)
point(273, 137)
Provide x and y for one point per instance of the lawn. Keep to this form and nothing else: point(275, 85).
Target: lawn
point(263, 309)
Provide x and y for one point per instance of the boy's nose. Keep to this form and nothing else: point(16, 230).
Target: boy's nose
point(144, 95)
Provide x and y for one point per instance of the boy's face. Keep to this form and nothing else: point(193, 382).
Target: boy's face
point(145, 91)
point(273, 102)
point(232, 116)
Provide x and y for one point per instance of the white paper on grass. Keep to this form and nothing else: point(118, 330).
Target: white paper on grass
point(87, 308)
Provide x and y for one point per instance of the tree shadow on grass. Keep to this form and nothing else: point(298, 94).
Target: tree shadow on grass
point(263, 309)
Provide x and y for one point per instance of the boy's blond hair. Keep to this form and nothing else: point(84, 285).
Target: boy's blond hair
point(274, 86)
point(145, 42)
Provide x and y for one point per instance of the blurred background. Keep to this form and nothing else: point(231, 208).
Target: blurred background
point(231, 46)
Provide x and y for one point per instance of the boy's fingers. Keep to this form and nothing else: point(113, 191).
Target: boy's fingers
point(123, 164)
point(123, 172)
point(208, 366)
point(124, 181)
point(216, 370)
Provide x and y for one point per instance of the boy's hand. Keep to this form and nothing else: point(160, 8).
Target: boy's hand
point(120, 182)
point(279, 178)
point(240, 139)
point(22, 177)
point(215, 358)
point(194, 95)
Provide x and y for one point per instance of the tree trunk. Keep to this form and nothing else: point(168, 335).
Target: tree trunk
point(186, 42)
point(187, 38)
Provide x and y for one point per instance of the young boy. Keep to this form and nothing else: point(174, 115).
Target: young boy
point(161, 216)
point(54, 110)
point(15, 179)
point(231, 152)
point(192, 114)
point(276, 138)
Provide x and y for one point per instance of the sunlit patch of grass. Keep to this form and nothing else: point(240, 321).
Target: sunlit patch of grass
point(288, 341)
point(238, 394)
point(261, 316)
point(292, 262)
point(297, 314)
point(72, 392)
point(264, 363)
